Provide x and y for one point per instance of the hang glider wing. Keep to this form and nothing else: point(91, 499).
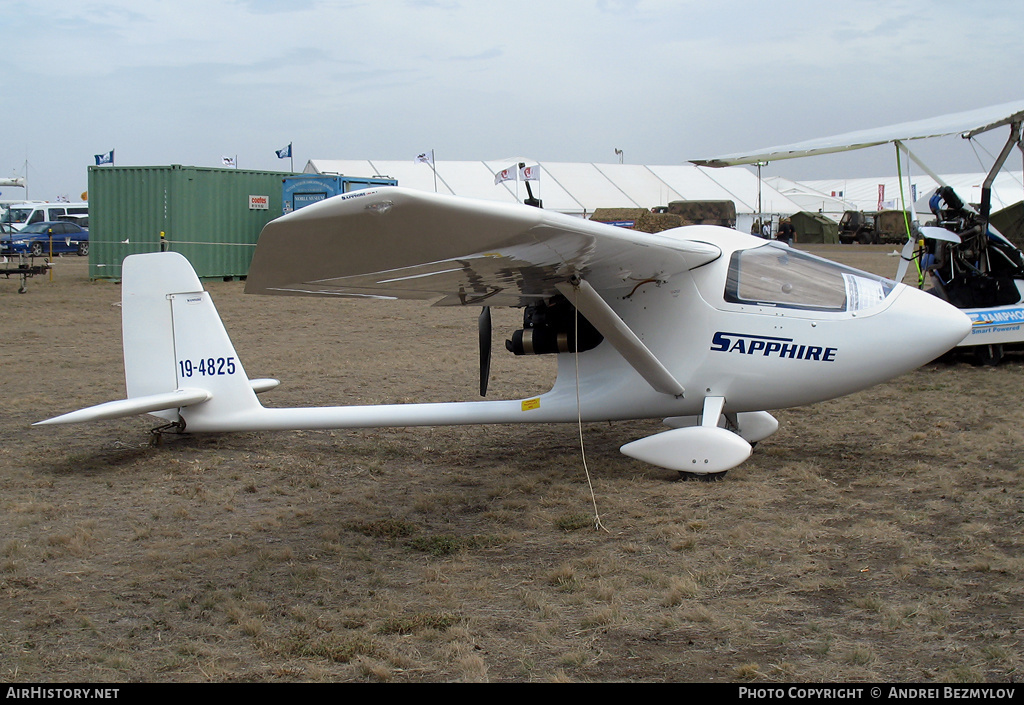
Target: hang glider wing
point(969, 123)
point(399, 243)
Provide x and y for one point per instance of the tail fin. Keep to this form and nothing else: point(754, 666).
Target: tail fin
point(176, 351)
point(147, 323)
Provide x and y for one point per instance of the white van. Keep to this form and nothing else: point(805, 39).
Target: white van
point(19, 215)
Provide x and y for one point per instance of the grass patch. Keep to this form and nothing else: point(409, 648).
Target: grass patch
point(448, 544)
point(419, 622)
point(574, 522)
point(384, 528)
point(338, 649)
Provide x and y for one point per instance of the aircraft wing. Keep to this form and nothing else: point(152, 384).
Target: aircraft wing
point(969, 123)
point(393, 242)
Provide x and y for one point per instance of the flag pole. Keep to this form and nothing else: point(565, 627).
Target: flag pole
point(291, 158)
point(422, 157)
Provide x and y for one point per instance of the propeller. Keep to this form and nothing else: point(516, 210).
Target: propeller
point(928, 231)
point(906, 257)
point(484, 328)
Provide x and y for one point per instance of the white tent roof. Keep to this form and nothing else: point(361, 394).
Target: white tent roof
point(863, 194)
point(577, 188)
point(810, 197)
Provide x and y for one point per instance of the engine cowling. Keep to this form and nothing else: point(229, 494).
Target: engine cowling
point(553, 327)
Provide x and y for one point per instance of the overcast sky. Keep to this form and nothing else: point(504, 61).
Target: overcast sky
point(189, 81)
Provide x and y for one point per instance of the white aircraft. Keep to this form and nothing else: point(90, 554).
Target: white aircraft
point(702, 326)
point(970, 263)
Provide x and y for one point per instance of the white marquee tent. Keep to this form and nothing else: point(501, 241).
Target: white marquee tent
point(580, 188)
point(865, 194)
point(576, 188)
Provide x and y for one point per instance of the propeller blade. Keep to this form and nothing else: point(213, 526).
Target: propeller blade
point(906, 257)
point(934, 233)
point(484, 328)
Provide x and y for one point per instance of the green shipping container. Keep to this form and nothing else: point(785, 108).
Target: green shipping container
point(212, 216)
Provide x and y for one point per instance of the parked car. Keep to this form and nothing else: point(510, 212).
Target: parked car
point(21, 214)
point(6, 231)
point(41, 239)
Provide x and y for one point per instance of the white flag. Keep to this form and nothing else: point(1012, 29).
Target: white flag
point(530, 173)
point(228, 161)
point(425, 158)
point(505, 175)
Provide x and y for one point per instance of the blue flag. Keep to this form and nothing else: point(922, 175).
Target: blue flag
point(284, 153)
point(107, 158)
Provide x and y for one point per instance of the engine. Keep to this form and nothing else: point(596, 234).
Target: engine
point(553, 327)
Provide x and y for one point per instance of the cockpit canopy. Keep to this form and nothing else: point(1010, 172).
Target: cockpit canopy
point(776, 275)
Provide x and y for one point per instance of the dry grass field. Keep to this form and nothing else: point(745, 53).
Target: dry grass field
point(873, 538)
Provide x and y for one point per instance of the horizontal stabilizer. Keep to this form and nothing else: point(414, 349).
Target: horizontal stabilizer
point(130, 407)
point(264, 385)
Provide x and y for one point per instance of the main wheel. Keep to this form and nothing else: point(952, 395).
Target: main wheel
point(702, 476)
point(989, 355)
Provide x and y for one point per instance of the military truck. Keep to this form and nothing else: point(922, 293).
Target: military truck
point(891, 227)
point(674, 215)
point(873, 227)
point(857, 226)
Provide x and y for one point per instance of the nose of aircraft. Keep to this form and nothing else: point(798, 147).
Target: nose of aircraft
point(931, 325)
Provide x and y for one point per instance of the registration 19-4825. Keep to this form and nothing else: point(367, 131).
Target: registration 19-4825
point(207, 367)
